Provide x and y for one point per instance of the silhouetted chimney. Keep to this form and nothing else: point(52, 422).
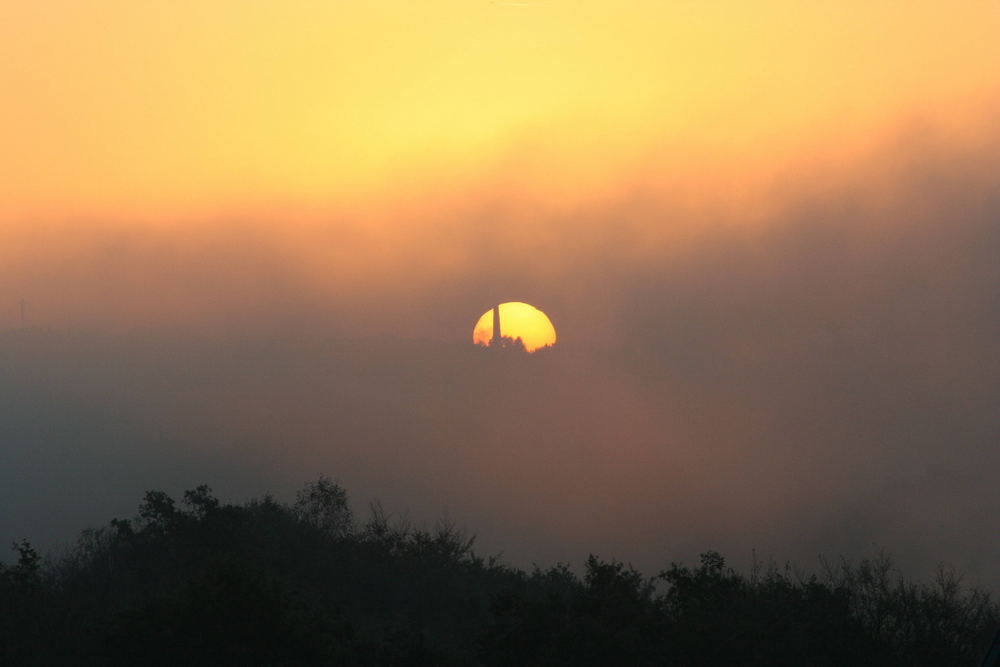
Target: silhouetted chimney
point(496, 327)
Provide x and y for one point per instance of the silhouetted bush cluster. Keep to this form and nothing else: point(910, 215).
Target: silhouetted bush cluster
point(271, 584)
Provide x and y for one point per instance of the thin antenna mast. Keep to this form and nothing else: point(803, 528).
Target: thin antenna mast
point(496, 342)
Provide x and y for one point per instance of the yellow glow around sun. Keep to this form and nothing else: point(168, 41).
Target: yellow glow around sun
point(517, 320)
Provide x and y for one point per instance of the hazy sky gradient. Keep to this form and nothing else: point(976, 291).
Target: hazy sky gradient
point(255, 239)
point(140, 111)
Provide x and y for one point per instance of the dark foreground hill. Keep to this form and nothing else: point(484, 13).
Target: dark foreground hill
point(267, 583)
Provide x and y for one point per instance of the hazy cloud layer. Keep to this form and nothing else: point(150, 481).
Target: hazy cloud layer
point(817, 376)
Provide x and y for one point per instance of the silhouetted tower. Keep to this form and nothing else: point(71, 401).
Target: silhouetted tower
point(496, 327)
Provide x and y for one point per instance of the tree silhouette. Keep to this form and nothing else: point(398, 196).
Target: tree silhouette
point(324, 505)
point(206, 582)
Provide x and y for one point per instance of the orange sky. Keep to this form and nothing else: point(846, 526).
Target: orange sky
point(150, 111)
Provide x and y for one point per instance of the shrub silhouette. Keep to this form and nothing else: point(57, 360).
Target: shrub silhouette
point(204, 582)
point(324, 505)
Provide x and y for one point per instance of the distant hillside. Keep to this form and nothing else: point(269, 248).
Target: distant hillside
point(202, 582)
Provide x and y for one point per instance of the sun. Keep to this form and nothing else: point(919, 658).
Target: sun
point(517, 321)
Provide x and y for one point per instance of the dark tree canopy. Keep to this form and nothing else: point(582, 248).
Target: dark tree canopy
point(266, 583)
